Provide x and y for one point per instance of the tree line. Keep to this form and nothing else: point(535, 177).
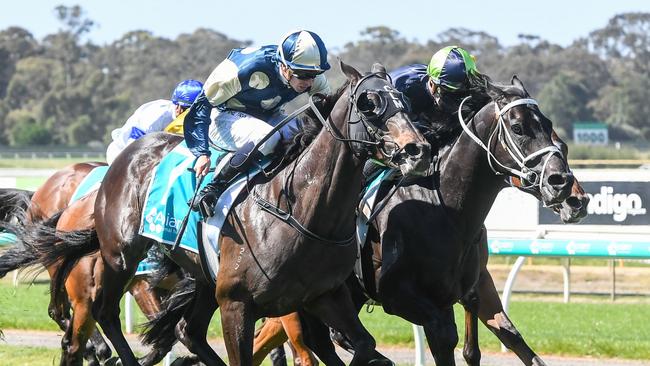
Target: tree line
point(66, 91)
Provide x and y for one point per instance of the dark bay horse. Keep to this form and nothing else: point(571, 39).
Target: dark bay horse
point(267, 268)
point(424, 255)
point(489, 309)
point(41, 213)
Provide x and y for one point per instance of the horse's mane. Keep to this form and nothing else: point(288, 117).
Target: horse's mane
point(310, 126)
point(442, 129)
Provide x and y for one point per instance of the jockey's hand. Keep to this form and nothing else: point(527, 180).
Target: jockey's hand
point(202, 165)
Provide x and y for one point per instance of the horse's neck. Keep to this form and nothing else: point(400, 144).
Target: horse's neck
point(467, 183)
point(326, 183)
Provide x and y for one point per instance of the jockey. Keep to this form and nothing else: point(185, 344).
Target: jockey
point(153, 116)
point(441, 85)
point(248, 89)
point(437, 88)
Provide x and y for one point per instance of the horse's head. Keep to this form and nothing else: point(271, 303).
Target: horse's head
point(573, 208)
point(379, 123)
point(520, 142)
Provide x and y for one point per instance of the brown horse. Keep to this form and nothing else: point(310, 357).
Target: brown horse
point(43, 216)
point(267, 268)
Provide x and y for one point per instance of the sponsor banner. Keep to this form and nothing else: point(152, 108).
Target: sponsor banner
point(611, 203)
point(570, 248)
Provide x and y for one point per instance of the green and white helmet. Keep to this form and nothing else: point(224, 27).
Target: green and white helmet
point(451, 67)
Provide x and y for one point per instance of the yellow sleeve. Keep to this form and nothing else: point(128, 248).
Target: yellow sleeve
point(223, 83)
point(176, 126)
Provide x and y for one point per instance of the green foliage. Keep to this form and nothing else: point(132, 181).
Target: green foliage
point(80, 91)
point(26, 131)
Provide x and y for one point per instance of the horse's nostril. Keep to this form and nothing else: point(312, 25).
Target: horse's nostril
point(574, 202)
point(556, 179)
point(412, 149)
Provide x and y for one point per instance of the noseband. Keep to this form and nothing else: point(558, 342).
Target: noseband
point(507, 142)
point(387, 102)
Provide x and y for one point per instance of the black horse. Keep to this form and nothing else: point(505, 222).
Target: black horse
point(267, 267)
point(424, 255)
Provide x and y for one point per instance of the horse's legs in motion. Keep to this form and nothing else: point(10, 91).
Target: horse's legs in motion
point(471, 350)
point(337, 310)
point(270, 336)
point(293, 328)
point(238, 324)
point(106, 309)
point(192, 330)
point(492, 315)
point(79, 286)
point(442, 337)
point(276, 331)
point(149, 303)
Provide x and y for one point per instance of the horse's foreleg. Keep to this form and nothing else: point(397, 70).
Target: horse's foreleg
point(442, 337)
point(293, 329)
point(192, 330)
point(491, 313)
point(270, 336)
point(471, 350)
point(337, 310)
point(238, 324)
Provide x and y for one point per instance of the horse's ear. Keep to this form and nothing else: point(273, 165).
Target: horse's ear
point(493, 91)
point(516, 82)
point(378, 69)
point(350, 72)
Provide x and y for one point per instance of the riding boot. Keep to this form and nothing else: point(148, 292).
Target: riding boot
point(207, 198)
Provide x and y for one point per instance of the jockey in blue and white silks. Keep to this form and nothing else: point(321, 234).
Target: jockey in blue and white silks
point(249, 88)
point(153, 116)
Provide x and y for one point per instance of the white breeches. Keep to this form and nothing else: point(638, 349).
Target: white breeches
point(231, 130)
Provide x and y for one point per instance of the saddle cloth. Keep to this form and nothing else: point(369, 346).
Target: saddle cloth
point(166, 204)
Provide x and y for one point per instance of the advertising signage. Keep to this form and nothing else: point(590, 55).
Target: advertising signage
point(611, 203)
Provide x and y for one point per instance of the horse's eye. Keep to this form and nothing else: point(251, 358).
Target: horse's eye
point(516, 128)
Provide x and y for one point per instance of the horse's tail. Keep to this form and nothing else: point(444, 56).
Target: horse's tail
point(159, 332)
point(13, 201)
point(31, 237)
point(69, 248)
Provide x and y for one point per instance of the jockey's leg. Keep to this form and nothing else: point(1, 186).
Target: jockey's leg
point(241, 132)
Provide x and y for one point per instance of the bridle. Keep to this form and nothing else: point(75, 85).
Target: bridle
point(506, 140)
point(373, 108)
point(391, 103)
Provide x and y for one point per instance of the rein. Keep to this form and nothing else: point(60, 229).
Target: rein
point(508, 144)
point(287, 216)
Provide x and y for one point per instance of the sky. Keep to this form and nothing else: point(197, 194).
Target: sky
point(336, 21)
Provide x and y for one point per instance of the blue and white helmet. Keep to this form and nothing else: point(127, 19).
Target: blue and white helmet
point(186, 92)
point(305, 51)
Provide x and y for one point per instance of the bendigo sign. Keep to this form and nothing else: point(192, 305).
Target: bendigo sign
point(611, 203)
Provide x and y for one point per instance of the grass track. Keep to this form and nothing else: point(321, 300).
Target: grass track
point(580, 329)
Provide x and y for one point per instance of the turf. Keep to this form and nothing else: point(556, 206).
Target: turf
point(599, 329)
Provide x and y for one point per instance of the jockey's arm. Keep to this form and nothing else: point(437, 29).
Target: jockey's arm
point(222, 84)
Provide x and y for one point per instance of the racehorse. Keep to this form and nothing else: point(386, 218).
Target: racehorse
point(424, 256)
point(41, 216)
point(489, 309)
point(267, 268)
